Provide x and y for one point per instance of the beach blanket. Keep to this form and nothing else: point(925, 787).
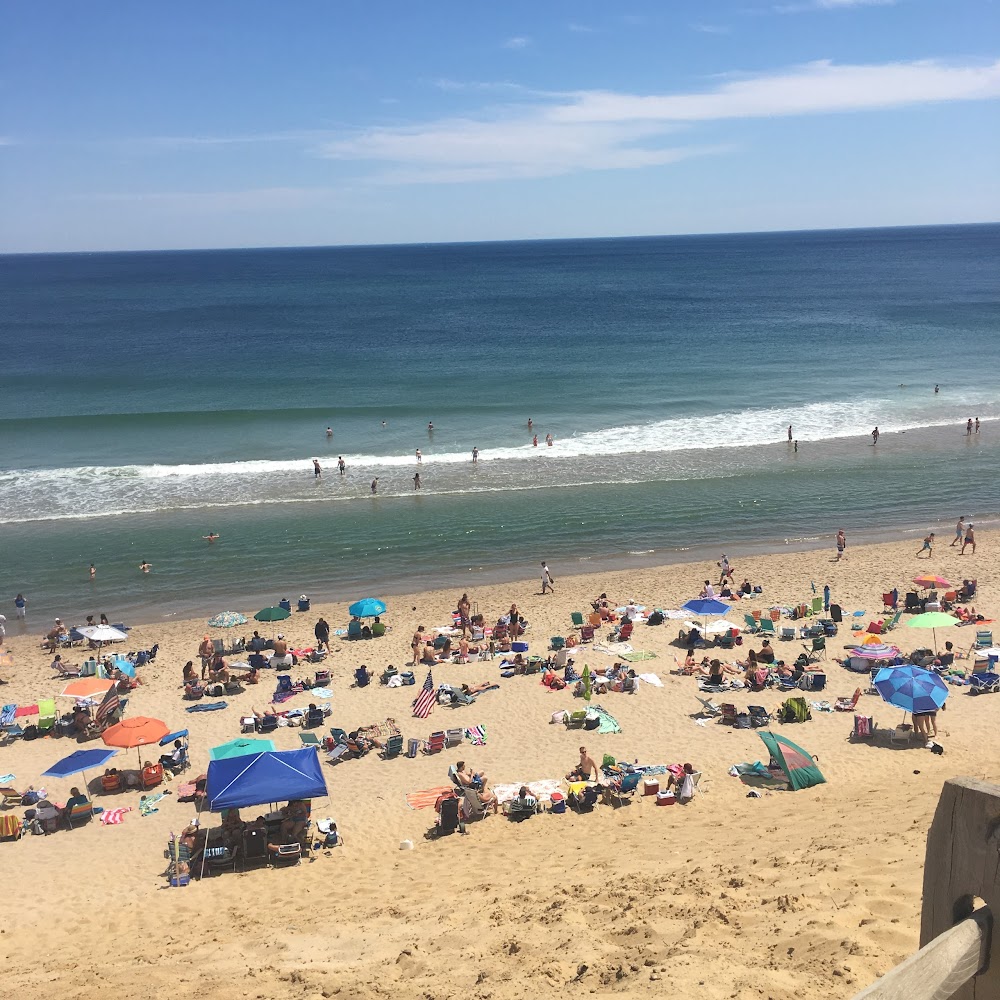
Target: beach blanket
point(148, 804)
point(476, 735)
point(279, 696)
point(113, 817)
point(321, 693)
point(651, 679)
point(387, 728)
point(208, 706)
point(609, 724)
point(7, 715)
point(639, 655)
point(23, 710)
point(540, 789)
point(425, 799)
point(612, 648)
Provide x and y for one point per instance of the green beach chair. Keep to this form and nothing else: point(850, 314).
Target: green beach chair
point(817, 605)
point(767, 627)
point(46, 714)
point(577, 618)
point(752, 625)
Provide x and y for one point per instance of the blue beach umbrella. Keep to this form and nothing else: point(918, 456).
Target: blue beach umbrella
point(227, 619)
point(703, 607)
point(367, 607)
point(911, 689)
point(79, 763)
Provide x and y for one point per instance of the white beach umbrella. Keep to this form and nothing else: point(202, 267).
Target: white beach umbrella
point(102, 633)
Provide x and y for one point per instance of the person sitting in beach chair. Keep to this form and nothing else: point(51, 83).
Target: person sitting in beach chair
point(583, 799)
point(523, 806)
point(295, 820)
point(176, 759)
point(468, 778)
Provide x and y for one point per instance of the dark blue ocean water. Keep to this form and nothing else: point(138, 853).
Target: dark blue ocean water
point(149, 398)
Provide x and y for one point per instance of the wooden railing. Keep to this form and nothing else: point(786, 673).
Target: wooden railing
point(961, 893)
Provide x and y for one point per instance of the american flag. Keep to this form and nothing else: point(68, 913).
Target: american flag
point(424, 702)
point(107, 707)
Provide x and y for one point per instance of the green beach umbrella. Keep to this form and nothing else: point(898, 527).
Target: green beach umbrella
point(932, 620)
point(586, 683)
point(240, 748)
point(272, 615)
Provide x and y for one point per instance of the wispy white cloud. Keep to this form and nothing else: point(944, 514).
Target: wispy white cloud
point(248, 138)
point(517, 42)
point(549, 134)
point(798, 8)
point(712, 29)
point(445, 83)
point(581, 29)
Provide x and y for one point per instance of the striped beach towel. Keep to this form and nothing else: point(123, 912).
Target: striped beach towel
point(113, 817)
point(425, 799)
point(476, 735)
point(7, 714)
point(609, 724)
point(148, 804)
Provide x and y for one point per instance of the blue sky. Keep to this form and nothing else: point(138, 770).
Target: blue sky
point(253, 123)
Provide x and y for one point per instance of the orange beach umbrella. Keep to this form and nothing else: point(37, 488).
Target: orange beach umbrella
point(136, 732)
point(88, 687)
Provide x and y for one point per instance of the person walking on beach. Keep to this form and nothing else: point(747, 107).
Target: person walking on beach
point(959, 531)
point(416, 480)
point(968, 427)
point(875, 436)
point(841, 544)
point(725, 570)
point(928, 545)
point(341, 464)
point(317, 471)
point(789, 432)
point(322, 631)
point(22, 606)
point(970, 539)
point(475, 456)
point(547, 580)
point(420, 457)
point(375, 486)
point(145, 566)
point(207, 653)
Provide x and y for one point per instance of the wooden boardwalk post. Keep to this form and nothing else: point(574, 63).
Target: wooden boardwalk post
point(962, 867)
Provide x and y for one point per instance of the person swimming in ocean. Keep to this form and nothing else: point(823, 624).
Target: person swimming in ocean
point(210, 537)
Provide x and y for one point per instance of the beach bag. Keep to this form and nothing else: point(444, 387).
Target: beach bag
point(656, 618)
point(30, 733)
point(592, 721)
point(608, 761)
point(559, 716)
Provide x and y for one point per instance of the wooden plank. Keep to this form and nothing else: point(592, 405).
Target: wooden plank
point(938, 969)
point(963, 862)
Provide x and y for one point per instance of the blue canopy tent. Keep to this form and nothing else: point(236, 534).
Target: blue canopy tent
point(79, 763)
point(272, 776)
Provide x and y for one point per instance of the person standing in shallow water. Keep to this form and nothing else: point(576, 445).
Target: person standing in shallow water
point(875, 436)
point(416, 481)
point(341, 464)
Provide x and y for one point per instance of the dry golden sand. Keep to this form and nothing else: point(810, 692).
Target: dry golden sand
point(808, 894)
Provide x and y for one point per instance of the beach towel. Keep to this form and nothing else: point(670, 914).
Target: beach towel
point(638, 655)
point(821, 706)
point(476, 735)
point(425, 799)
point(7, 715)
point(612, 648)
point(541, 788)
point(279, 696)
point(148, 805)
point(321, 693)
point(609, 724)
point(23, 710)
point(651, 679)
point(113, 817)
point(209, 706)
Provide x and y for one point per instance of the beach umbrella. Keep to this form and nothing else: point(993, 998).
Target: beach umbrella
point(240, 748)
point(911, 688)
point(272, 615)
point(928, 580)
point(932, 620)
point(87, 687)
point(79, 763)
point(102, 633)
point(367, 607)
point(702, 607)
point(227, 619)
point(137, 732)
point(875, 651)
point(585, 677)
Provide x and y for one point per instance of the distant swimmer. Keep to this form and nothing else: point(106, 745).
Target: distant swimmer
point(211, 537)
point(329, 432)
point(531, 423)
point(341, 464)
point(145, 566)
point(875, 436)
point(375, 486)
point(416, 480)
point(475, 455)
point(383, 423)
point(317, 471)
point(548, 440)
point(937, 389)
point(430, 426)
point(93, 571)
point(534, 441)
point(420, 456)
point(789, 432)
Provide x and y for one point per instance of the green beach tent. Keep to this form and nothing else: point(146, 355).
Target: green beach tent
point(797, 763)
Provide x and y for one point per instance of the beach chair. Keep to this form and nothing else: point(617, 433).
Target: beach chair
point(901, 735)
point(889, 602)
point(217, 858)
point(864, 727)
point(313, 718)
point(516, 811)
point(817, 605)
point(449, 818)
point(752, 623)
point(618, 791)
point(984, 639)
point(178, 857)
point(111, 782)
point(595, 619)
point(453, 737)
point(267, 724)
point(848, 704)
point(285, 855)
point(309, 739)
point(66, 669)
point(888, 626)
point(80, 814)
point(728, 716)
point(836, 614)
point(473, 808)
point(435, 742)
point(577, 618)
point(284, 683)
point(46, 714)
point(818, 646)
point(393, 747)
point(759, 715)
point(362, 678)
point(586, 633)
point(322, 678)
point(11, 797)
point(767, 627)
point(556, 643)
point(354, 630)
point(575, 720)
point(254, 848)
point(787, 633)
point(151, 775)
point(913, 604)
point(583, 797)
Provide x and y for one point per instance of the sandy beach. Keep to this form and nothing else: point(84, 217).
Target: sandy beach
point(807, 894)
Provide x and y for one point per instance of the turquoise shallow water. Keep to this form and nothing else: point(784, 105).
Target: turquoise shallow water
point(151, 398)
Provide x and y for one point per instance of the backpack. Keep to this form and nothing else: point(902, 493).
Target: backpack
point(656, 618)
point(30, 733)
